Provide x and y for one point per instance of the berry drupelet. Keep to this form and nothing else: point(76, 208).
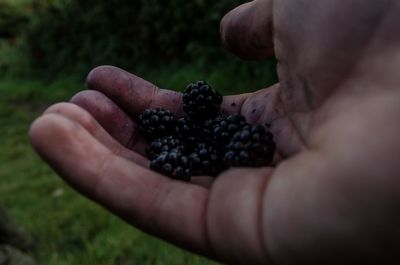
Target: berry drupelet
point(225, 127)
point(205, 161)
point(252, 146)
point(164, 144)
point(200, 101)
point(173, 164)
point(192, 132)
point(154, 123)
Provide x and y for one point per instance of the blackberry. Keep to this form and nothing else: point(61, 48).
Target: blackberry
point(200, 101)
point(172, 164)
point(166, 143)
point(205, 160)
point(155, 123)
point(225, 127)
point(252, 146)
point(192, 132)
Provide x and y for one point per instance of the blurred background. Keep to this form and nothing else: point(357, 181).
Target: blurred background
point(46, 50)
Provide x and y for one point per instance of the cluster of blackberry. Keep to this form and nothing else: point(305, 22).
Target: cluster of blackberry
point(204, 143)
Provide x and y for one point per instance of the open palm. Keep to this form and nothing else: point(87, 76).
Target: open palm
point(333, 197)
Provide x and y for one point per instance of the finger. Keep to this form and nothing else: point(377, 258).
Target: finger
point(79, 115)
point(110, 116)
point(84, 119)
point(247, 30)
point(119, 125)
point(114, 120)
point(169, 209)
point(132, 93)
point(262, 107)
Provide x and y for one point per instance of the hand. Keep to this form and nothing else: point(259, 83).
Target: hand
point(334, 196)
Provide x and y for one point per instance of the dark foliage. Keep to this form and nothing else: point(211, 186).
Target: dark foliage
point(81, 34)
point(12, 20)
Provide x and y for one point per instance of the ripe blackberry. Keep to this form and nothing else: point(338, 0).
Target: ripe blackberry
point(172, 164)
point(252, 146)
point(225, 127)
point(154, 123)
point(192, 132)
point(200, 101)
point(166, 143)
point(205, 161)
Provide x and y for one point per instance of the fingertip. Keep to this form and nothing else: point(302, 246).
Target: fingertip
point(110, 116)
point(130, 92)
point(35, 130)
point(47, 131)
point(97, 74)
point(57, 108)
point(74, 113)
point(227, 26)
point(246, 30)
point(38, 127)
point(70, 111)
point(222, 30)
point(80, 96)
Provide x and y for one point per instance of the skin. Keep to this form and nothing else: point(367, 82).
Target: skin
point(333, 196)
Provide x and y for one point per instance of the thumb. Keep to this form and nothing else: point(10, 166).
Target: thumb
point(247, 30)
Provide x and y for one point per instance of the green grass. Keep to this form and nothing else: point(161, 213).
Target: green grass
point(70, 229)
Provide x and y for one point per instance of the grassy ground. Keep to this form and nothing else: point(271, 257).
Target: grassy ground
point(69, 228)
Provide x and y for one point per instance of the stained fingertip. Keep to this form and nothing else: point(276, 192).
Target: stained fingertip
point(112, 118)
point(50, 132)
point(99, 73)
point(88, 122)
point(247, 30)
point(132, 93)
point(35, 132)
point(73, 112)
point(128, 91)
point(73, 152)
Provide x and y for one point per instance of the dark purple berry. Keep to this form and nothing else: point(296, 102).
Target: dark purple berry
point(252, 146)
point(164, 144)
point(173, 164)
point(201, 101)
point(192, 132)
point(225, 127)
point(155, 123)
point(206, 160)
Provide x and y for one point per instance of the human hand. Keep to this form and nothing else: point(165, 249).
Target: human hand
point(332, 199)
